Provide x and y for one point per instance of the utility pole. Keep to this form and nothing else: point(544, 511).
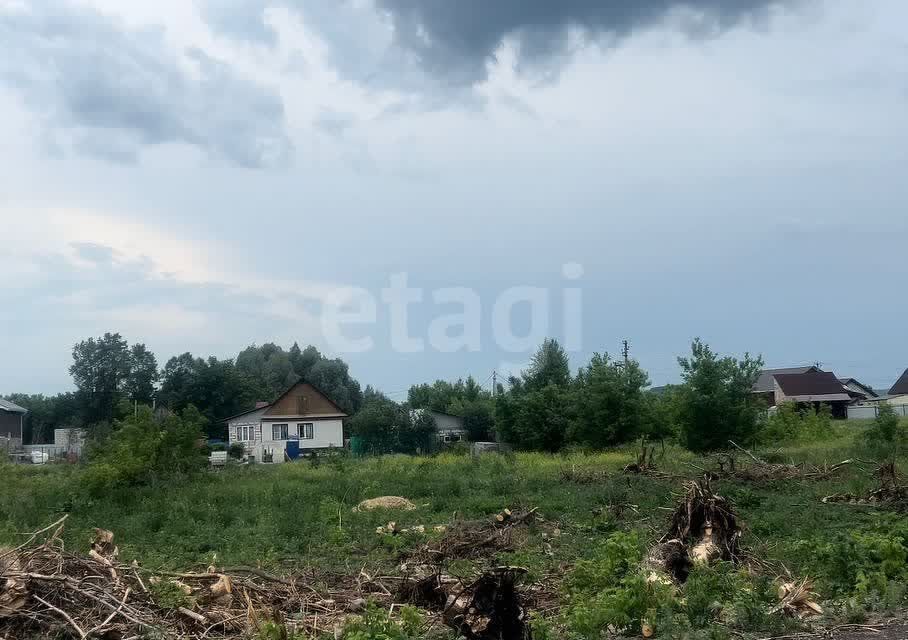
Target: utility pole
point(494, 382)
point(625, 351)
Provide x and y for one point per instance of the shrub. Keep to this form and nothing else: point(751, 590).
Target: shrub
point(236, 451)
point(887, 435)
point(867, 565)
point(789, 424)
point(377, 624)
point(610, 590)
point(143, 449)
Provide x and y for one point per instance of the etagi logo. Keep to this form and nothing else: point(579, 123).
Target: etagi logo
point(460, 331)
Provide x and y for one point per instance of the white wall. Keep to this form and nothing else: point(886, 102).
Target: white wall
point(326, 433)
point(251, 418)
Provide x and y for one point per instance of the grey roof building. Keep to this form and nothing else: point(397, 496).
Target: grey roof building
point(11, 419)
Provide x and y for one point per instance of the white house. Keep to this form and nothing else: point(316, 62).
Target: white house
point(299, 420)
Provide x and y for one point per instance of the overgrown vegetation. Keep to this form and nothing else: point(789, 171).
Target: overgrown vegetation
point(293, 516)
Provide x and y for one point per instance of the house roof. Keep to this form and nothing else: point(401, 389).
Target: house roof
point(765, 383)
point(812, 385)
point(268, 405)
point(11, 407)
point(869, 390)
point(901, 385)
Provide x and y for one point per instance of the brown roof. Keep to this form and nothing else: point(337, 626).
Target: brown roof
point(811, 383)
point(304, 399)
point(764, 383)
point(901, 385)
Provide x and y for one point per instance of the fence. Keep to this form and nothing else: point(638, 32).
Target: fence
point(871, 411)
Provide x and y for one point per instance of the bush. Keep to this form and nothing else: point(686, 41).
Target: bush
point(866, 565)
point(143, 449)
point(887, 435)
point(789, 424)
point(377, 624)
point(236, 451)
point(610, 590)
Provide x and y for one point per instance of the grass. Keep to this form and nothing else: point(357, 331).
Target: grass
point(287, 516)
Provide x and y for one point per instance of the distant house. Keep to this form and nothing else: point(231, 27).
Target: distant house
point(12, 417)
point(765, 386)
point(450, 428)
point(900, 388)
point(857, 389)
point(813, 388)
point(300, 419)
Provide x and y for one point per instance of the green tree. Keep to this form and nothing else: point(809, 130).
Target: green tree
point(216, 387)
point(143, 374)
point(610, 404)
point(536, 410)
point(716, 403)
point(100, 370)
point(887, 435)
point(268, 367)
point(143, 449)
point(549, 366)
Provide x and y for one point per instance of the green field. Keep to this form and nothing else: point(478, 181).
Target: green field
point(288, 517)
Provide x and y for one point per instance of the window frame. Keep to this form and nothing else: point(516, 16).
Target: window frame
point(305, 430)
point(282, 429)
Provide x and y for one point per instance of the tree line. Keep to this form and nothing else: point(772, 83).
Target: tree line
point(113, 378)
point(608, 401)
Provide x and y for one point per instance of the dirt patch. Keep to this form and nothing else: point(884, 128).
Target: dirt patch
point(385, 502)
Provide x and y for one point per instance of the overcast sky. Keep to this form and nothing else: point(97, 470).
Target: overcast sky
point(203, 176)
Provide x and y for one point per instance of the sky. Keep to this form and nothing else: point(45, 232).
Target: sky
point(201, 176)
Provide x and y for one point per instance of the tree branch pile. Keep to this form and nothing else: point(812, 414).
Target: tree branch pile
point(46, 591)
point(478, 538)
point(892, 491)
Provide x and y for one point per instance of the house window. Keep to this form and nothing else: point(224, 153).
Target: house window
point(279, 432)
point(305, 429)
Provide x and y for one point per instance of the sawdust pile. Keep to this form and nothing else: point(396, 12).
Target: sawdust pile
point(385, 502)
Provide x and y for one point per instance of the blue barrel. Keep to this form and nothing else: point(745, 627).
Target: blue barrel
point(293, 449)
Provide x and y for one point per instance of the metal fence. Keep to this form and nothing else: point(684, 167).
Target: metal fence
point(871, 411)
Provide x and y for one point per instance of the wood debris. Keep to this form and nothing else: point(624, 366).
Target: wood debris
point(797, 599)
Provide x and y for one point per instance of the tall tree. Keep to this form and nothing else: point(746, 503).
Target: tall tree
point(100, 369)
point(143, 374)
point(549, 366)
point(609, 402)
point(215, 387)
point(715, 402)
point(269, 367)
point(536, 411)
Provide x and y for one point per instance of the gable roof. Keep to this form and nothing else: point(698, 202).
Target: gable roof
point(322, 404)
point(11, 407)
point(812, 385)
point(901, 385)
point(869, 392)
point(765, 384)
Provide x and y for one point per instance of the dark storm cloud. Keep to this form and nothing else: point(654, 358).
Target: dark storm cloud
point(110, 90)
point(458, 38)
point(451, 41)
